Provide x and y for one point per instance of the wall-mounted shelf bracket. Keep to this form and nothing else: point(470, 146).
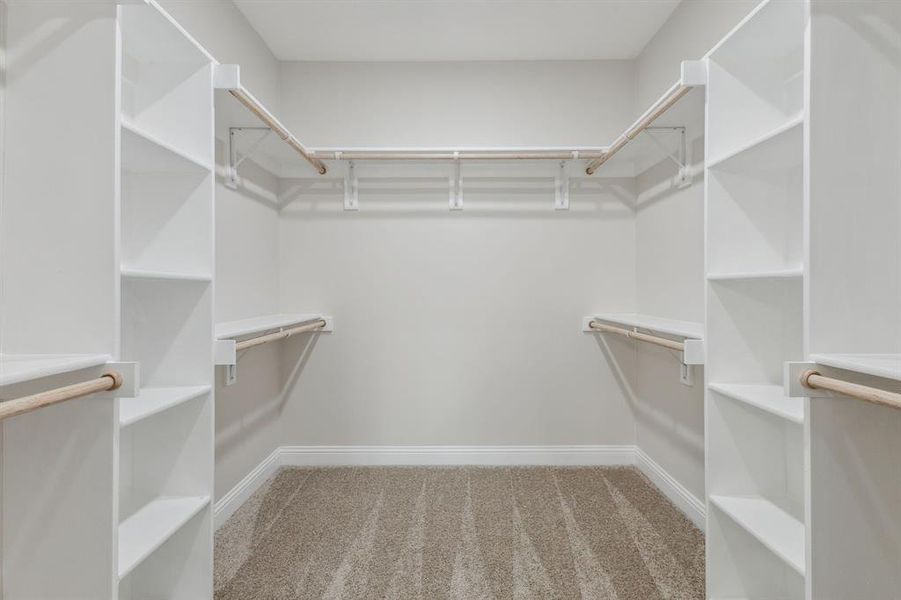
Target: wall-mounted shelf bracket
point(351, 187)
point(131, 378)
point(561, 184)
point(683, 176)
point(692, 354)
point(456, 185)
point(791, 380)
point(234, 161)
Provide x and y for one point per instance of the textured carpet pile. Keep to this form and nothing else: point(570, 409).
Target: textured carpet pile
point(461, 533)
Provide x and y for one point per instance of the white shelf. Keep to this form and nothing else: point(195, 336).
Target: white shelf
point(144, 152)
point(154, 400)
point(133, 273)
point(150, 527)
point(686, 329)
point(769, 398)
point(18, 368)
point(781, 136)
point(878, 365)
point(791, 273)
point(769, 524)
point(232, 329)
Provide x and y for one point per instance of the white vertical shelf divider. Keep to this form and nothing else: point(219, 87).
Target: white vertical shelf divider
point(756, 543)
point(166, 432)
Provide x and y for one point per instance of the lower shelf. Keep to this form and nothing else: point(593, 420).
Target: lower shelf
point(770, 525)
point(154, 400)
point(769, 398)
point(150, 527)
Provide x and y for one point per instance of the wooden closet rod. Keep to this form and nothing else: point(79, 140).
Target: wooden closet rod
point(104, 383)
point(280, 335)
point(815, 381)
point(644, 337)
point(275, 126)
point(661, 106)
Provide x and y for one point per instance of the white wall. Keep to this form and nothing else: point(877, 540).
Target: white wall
point(670, 249)
point(246, 247)
point(456, 328)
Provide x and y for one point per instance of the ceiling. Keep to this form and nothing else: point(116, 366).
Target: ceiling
point(445, 30)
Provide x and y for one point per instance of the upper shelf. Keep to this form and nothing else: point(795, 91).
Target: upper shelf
point(686, 329)
point(236, 107)
point(233, 329)
point(18, 368)
point(877, 365)
point(682, 105)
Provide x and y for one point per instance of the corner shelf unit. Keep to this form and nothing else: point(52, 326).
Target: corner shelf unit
point(756, 269)
point(165, 478)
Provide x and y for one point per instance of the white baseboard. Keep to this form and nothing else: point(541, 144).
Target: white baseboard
point(677, 493)
point(309, 456)
point(315, 456)
point(244, 489)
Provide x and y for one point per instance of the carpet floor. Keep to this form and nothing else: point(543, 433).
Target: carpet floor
point(459, 533)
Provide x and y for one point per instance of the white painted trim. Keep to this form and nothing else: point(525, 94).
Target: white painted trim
point(315, 456)
point(244, 489)
point(678, 494)
point(457, 455)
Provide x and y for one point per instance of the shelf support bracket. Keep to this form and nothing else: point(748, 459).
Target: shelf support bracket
point(683, 177)
point(791, 380)
point(231, 179)
point(561, 185)
point(456, 185)
point(692, 354)
point(351, 186)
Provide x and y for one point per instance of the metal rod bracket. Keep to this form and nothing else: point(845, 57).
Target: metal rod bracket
point(561, 187)
point(456, 185)
point(351, 187)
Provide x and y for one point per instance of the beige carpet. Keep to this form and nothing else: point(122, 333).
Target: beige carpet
point(459, 533)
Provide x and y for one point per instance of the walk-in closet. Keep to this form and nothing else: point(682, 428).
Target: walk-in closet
point(458, 299)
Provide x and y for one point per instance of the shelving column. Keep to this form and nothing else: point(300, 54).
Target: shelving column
point(165, 467)
point(854, 297)
point(58, 288)
point(755, 281)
